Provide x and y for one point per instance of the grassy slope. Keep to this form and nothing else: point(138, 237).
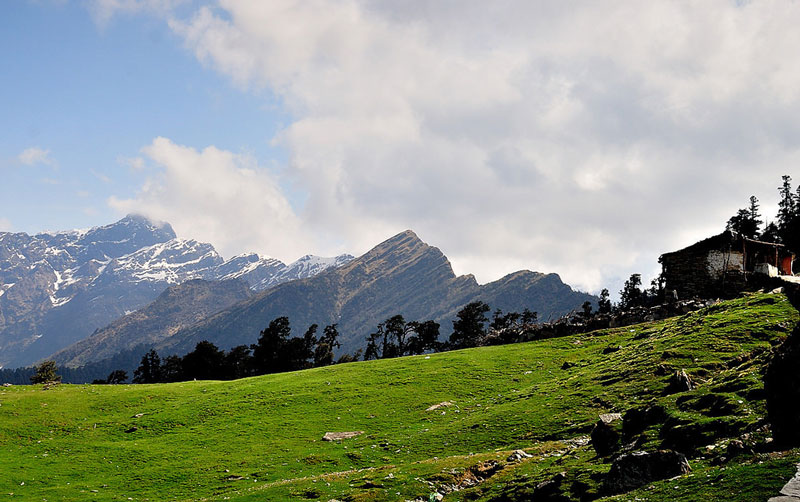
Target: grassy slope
point(196, 439)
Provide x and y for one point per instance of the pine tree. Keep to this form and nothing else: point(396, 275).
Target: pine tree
point(46, 373)
point(786, 206)
point(631, 295)
point(149, 370)
point(267, 353)
point(469, 329)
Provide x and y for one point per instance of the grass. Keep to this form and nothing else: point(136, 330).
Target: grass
point(261, 438)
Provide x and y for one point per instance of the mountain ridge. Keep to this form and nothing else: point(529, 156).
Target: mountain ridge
point(402, 275)
point(58, 287)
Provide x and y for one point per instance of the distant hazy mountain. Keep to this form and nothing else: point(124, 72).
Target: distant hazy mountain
point(177, 307)
point(403, 275)
point(57, 288)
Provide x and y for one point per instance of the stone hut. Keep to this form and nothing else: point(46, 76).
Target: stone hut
point(723, 265)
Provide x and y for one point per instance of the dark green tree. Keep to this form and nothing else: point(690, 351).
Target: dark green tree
point(425, 338)
point(789, 215)
point(268, 351)
point(396, 334)
point(469, 327)
point(380, 344)
point(371, 351)
point(631, 295)
point(529, 317)
point(239, 362)
point(149, 370)
point(46, 372)
point(604, 304)
point(771, 233)
point(787, 209)
point(205, 362)
point(502, 321)
point(743, 224)
point(172, 369)
point(323, 352)
point(117, 377)
point(309, 342)
point(349, 358)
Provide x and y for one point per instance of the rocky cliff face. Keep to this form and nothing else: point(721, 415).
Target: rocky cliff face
point(58, 288)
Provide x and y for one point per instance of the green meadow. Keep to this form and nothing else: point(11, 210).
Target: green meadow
point(260, 438)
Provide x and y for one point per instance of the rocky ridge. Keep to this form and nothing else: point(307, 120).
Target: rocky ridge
point(402, 275)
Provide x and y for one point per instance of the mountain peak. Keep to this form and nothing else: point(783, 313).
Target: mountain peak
point(404, 235)
point(136, 220)
point(406, 244)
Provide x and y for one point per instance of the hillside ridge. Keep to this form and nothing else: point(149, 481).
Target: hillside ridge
point(260, 438)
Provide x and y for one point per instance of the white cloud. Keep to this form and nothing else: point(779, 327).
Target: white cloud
point(35, 156)
point(5, 225)
point(133, 163)
point(583, 139)
point(220, 197)
point(100, 176)
point(104, 10)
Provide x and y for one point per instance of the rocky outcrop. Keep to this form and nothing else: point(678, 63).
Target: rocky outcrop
point(791, 490)
point(680, 381)
point(606, 434)
point(636, 469)
point(782, 383)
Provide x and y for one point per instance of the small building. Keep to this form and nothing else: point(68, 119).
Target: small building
point(723, 265)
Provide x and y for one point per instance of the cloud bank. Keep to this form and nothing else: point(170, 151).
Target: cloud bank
point(219, 197)
point(582, 138)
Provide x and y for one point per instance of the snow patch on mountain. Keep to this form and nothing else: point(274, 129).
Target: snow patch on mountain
point(92, 276)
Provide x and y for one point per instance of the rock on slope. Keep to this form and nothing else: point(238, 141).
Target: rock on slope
point(402, 275)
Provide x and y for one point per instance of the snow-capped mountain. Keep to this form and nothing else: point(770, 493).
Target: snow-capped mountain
point(58, 287)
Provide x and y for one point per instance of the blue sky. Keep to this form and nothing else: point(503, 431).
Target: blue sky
point(93, 96)
point(583, 139)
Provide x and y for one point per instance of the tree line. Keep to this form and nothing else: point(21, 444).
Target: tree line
point(276, 351)
point(784, 229)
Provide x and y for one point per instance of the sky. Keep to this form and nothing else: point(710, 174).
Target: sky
point(581, 138)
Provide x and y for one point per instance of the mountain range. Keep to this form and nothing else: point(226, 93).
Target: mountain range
point(57, 288)
point(402, 275)
point(86, 296)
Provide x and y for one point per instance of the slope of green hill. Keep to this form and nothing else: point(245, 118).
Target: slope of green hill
point(261, 438)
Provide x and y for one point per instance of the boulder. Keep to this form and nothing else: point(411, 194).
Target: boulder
point(636, 469)
point(550, 490)
point(607, 433)
point(782, 389)
point(336, 436)
point(435, 407)
point(680, 381)
point(792, 488)
point(738, 447)
point(636, 420)
point(518, 455)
